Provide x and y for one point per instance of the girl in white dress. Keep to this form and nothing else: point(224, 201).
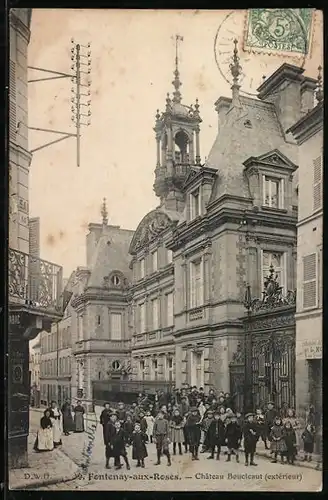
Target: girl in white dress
point(57, 424)
point(45, 438)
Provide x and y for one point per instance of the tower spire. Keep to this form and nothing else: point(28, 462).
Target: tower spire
point(176, 82)
point(319, 92)
point(104, 212)
point(235, 70)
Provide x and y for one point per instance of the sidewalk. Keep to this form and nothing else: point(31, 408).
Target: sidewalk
point(44, 469)
point(262, 452)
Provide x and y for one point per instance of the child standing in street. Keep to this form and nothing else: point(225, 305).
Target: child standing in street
point(250, 438)
point(290, 440)
point(161, 436)
point(233, 435)
point(150, 425)
point(278, 445)
point(215, 436)
point(138, 441)
point(118, 446)
point(308, 442)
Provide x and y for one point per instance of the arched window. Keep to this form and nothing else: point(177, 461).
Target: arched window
point(164, 148)
point(181, 147)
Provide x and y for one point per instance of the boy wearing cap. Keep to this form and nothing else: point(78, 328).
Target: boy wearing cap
point(194, 432)
point(215, 435)
point(161, 436)
point(250, 438)
point(233, 435)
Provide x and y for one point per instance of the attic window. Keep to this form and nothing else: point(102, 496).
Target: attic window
point(116, 280)
point(248, 124)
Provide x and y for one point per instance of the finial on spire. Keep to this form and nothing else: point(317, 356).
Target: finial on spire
point(168, 102)
point(104, 213)
point(319, 92)
point(235, 70)
point(196, 112)
point(176, 82)
point(157, 115)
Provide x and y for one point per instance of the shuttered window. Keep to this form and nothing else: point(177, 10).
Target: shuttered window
point(196, 284)
point(169, 304)
point(310, 284)
point(12, 100)
point(116, 326)
point(317, 183)
point(155, 313)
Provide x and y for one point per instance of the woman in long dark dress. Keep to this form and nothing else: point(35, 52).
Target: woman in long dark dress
point(79, 417)
point(67, 418)
point(45, 438)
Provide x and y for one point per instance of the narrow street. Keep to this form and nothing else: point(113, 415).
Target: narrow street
point(184, 474)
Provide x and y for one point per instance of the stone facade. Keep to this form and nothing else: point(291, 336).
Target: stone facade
point(19, 155)
point(309, 133)
point(244, 221)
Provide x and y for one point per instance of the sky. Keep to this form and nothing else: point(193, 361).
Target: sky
point(132, 68)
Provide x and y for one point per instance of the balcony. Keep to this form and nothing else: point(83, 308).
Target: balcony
point(34, 284)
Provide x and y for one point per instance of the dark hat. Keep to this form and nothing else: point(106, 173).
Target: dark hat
point(249, 415)
point(193, 408)
point(270, 403)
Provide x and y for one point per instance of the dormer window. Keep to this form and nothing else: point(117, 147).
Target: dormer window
point(273, 192)
point(116, 280)
point(195, 204)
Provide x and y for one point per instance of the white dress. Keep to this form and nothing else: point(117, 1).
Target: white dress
point(57, 425)
point(45, 439)
point(150, 424)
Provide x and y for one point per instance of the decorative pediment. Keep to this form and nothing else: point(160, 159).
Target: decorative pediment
point(201, 172)
point(151, 226)
point(115, 280)
point(272, 159)
point(193, 173)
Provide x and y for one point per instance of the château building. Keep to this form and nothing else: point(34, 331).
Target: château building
point(166, 305)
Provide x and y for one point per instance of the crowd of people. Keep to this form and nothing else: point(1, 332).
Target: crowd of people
point(197, 423)
point(56, 422)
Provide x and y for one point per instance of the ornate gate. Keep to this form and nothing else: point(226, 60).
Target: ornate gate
point(273, 368)
point(269, 348)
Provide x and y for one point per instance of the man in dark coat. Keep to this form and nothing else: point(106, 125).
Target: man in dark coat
point(250, 438)
point(233, 435)
point(215, 436)
point(193, 396)
point(142, 421)
point(109, 430)
point(104, 418)
point(211, 396)
point(194, 432)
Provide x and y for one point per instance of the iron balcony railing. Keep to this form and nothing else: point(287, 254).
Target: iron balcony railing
point(34, 282)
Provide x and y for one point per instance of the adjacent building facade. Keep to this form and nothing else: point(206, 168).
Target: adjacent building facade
point(308, 132)
point(34, 286)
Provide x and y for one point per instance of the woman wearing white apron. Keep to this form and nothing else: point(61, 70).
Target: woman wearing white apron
point(56, 419)
point(45, 438)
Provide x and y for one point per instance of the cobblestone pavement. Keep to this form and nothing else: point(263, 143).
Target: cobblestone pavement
point(184, 474)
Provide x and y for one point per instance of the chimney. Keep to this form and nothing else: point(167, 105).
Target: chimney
point(95, 231)
point(283, 89)
point(308, 87)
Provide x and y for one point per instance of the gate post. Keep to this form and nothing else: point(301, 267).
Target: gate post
point(248, 386)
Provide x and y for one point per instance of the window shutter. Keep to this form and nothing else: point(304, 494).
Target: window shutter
point(317, 183)
point(192, 285)
point(201, 283)
point(310, 281)
point(12, 100)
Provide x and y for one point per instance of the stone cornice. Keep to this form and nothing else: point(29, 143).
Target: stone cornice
point(186, 233)
point(100, 295)
point(210, 329)
point(149, 280)
point(308, 125)
point(16, 149)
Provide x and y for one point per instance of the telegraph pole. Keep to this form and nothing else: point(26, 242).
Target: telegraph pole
point(80, 77)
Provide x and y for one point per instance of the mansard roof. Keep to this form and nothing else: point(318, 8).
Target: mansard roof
point(111, 254)
point(153, 225)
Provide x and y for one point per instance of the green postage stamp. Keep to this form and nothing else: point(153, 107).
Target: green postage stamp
point(279, 30)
